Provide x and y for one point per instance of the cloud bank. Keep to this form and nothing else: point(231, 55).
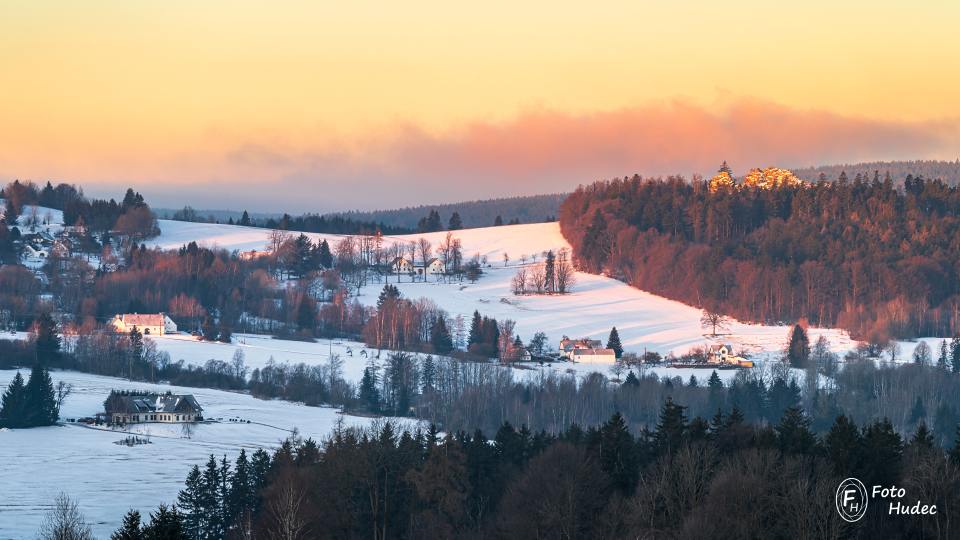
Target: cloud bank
point(536, 152)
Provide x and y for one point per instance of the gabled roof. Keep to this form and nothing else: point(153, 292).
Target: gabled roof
point(594, 352)
point(154, 403)
point(145, 319)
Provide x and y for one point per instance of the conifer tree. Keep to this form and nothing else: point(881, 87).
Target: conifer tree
point(798, 352)
point(440, 337)
point(794, 434)
point(41, 402)
point(191, 504)
point(428, 375)
point(918, 413)
point(672, 427)
point(613, 342)
point(240, 499)
point(166, 524)
point(47, 339)
point(130, 528)
point(476, 329)
point(324, 255)
point(618, 457)
point(943, 359)
point(245, 219)
point(955, 354)
point(13, 407)
point(844, 446)
point(922, 440)
point(211, 501)
point(631, 380)
point(369, 394)
point(455, 222)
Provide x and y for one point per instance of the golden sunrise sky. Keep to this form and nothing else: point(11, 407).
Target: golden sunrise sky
point(435, 101)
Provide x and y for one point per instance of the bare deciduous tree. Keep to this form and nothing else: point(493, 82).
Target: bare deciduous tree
point(65, 522)
point(713, 320)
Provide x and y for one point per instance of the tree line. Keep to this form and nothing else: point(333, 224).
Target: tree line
point(684, 477)
point(867, 255)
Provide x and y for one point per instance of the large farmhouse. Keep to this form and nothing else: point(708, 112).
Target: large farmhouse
point(402, 265)
point(587, 351)
point(156, 324)
point(134, 407)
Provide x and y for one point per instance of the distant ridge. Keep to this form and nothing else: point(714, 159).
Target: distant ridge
point(482, 213)
point(948, 171)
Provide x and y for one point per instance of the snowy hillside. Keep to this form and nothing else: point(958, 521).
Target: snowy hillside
point(644, 321)
point(108, 479)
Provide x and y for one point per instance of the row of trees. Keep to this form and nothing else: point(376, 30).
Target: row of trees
point(868, 256)
point(34, 403)
point(553, 275)
point(683, 477)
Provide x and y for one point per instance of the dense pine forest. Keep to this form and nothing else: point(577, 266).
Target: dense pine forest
point(683, 478)
point(948, 171)
point(868, 255)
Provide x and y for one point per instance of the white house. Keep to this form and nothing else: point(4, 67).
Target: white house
point(594, 356)
point(401, 265)
point(723, 354)
point(435, 267)
point(155, 324)
point(587, 351)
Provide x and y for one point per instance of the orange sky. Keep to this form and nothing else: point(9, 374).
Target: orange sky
point(431, 101)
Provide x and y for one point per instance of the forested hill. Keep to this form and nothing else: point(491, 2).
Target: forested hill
point(529, 209)
point(948, 171)
point(865, 256)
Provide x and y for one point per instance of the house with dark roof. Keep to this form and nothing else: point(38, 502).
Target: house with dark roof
point(129, 407)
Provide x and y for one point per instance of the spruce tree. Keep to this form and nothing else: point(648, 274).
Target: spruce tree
point(793, 433)
point(369, 395)
point(618, 457)
point(918, 413)
point(41, 402)
point(130, 528)
point(955, 354)
point(13, 407)
point(844, 446)
point(211, 501)
point(190, 501)
point(240, 499)
point(922, 440)
point(324, 255)
point(455, 222)
point(245, 219)
point(613, 342)
point(943, 359)
point(798, 352)
point(671, 428)
point(476, 329)
point(166, 524)
point(47, 339)
point(440, 337)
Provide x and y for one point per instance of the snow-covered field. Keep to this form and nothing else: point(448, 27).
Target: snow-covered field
point(645, 321)
point(107, 479)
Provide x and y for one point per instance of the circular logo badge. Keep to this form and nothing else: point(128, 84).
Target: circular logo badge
point(852, 499)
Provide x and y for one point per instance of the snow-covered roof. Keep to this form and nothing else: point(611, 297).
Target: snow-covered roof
point(149, 403)
point(145, 319)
